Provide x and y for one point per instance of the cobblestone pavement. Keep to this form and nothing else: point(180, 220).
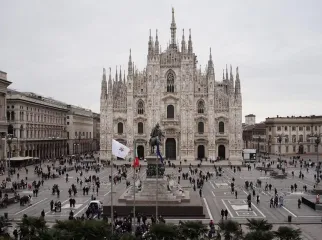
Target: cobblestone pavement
point(216, 196)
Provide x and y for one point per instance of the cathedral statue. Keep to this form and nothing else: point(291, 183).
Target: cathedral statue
point(155, 137)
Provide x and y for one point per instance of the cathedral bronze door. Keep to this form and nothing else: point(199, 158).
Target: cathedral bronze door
point(140, 152)
point(201, 152)
point(222, 152)
point(170, 149)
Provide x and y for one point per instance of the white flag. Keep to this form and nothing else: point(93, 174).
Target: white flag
point(119, 150)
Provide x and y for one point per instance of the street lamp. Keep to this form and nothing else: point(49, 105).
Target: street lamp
point(10, 137)
point(279, 140)
point(258, 140)
point(317, 141)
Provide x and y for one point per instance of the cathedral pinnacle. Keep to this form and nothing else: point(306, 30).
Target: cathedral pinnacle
point(116, 78)
point(237, 83)
point(190, 50)
point(173, 29)
point(156, 48)
point(120, 74)
point(183, 43)
point(226, 72)
point(104, 86)
point(130, 66)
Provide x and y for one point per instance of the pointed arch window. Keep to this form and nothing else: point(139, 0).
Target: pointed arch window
point(140, 128)
point(221, 127)
point(170, 82)
point(201, 107)
point(201, 127)
point(120, 128)
point(140, 107)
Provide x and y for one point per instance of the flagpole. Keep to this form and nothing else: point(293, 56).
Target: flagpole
point(112, 180)
point(134, 179)
point(156, 189)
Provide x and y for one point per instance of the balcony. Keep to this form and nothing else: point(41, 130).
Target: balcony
point(170, 121)
point(221, 134)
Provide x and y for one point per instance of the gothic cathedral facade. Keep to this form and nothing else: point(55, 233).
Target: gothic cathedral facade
point(201, 117)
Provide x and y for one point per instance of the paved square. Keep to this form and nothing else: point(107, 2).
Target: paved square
point(246, 214)
point(239, 207)
point(237, 201)
point(68, 206)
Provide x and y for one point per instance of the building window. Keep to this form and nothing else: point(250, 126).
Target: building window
point(279, 148)
point(286, 149)
point(140, 128)
point(316, 128)
point(294, 138)
point(67, 123)
point(201, 127)
point(308, 148)
point(86, 135)
point(140, 107)
point(120, 128)
point(285, 128)
point(316, 149)
point(294, 148)
point(75, 134)
point(170, 111)
point(293, 128)
point(90, 134)
point(201, 107)
point(308, 128)
point(170, 82)
point(286, 138)
point(269, 129)
point(301, 138)
point(221, 127)
point(300, 128)
point(269, 137)
point(279, 128)
point(67, 117)
point(308, 138)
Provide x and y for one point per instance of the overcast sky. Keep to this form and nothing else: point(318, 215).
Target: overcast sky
point(58, 48)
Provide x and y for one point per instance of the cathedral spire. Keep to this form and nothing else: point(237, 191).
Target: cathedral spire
point(116, 78)
point(237, 83)
point(130, 66)
point(173, 29)
point(124, 77)
point(104, 85)
point(223, 74)
point(183, 43)
point(110, 82)
point(156, 48)
point(150, 45)
point(211, 70)
point(190, 50)
point(226, 72)
point(120, 74)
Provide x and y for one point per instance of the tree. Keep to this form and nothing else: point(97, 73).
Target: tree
point(230, 230)
point(32, 228)
point(192, 230)
point(82, 230)
point(259, 225)
point(288, 233)
point(259, 235)
point(163, 231)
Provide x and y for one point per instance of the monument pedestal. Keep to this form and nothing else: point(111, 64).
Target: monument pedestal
point(173, 201)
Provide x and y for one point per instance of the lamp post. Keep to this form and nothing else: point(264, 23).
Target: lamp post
point(258, 141)
point(279, 140)
point(317, 141)
point(9, 141)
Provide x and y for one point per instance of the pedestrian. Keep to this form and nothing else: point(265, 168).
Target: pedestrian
point(226, 214)
point(236, 194)
point(257, 199)
point(222, 214)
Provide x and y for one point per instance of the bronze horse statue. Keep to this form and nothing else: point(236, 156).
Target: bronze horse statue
point(156, 136)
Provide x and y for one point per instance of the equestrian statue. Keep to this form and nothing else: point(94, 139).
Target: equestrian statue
point(155, 137)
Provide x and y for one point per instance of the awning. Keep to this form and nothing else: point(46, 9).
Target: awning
point(19, 158)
